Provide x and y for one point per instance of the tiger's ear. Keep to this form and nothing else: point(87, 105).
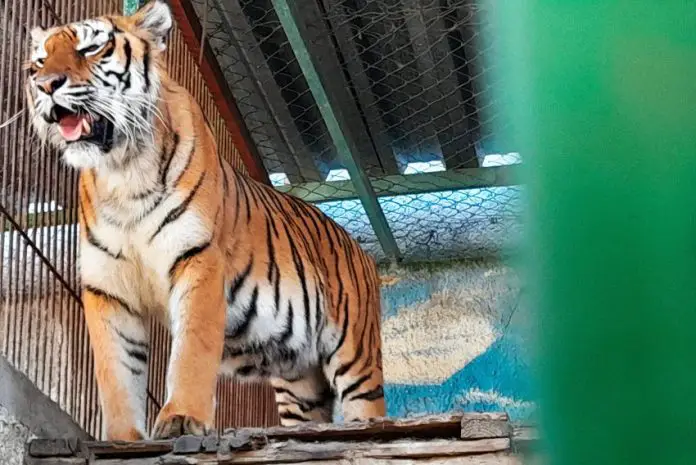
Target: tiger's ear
point(156, 19)
point(38, 34)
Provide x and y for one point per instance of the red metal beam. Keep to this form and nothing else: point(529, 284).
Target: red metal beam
point(191, 29)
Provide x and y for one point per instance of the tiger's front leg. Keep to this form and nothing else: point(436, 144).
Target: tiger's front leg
point(120, 343)
point(197, 319)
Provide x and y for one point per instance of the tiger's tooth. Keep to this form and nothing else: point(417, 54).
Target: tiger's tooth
point(86, 128)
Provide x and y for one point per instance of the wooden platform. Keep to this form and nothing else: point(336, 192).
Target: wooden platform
point(481, 438)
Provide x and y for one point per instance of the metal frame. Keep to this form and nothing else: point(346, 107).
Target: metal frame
point(346, 147)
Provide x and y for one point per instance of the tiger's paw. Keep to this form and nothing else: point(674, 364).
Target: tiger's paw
point(173, 426)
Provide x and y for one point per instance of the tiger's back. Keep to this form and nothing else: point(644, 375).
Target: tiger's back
point(250, 281)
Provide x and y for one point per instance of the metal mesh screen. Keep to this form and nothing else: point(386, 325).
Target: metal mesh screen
point(42, 330)
point(410, 85)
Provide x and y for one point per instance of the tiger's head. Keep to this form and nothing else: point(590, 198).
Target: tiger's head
point(93, 86)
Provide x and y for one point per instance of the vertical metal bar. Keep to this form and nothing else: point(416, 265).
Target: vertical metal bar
point(345, 147)
point(611, 238)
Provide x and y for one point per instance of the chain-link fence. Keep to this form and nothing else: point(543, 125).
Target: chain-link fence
point(409, 86)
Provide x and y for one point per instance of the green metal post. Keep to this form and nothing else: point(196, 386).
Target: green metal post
point(345, 147)
point(604, 107)
point(131, 6)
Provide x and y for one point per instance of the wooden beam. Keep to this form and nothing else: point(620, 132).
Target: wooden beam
point(214, 78)
point(426, 440)
point(421, 183)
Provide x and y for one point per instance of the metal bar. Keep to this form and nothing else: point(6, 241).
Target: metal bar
point(345, 147)
point(322, 45)
point(212, 74)
point(265, 109)
point(347, 45)
point(437, 73)
point(421, 183)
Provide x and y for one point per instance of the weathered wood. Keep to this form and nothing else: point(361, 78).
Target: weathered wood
point(440, 426)
point(54, 447)
point(117, 448)
point(55, 461)
point(336, 452)
point(481, 459)
point(479, 428)
point(473, 438)
point(187, 445)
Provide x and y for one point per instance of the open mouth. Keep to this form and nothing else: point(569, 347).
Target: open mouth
point(85, 127)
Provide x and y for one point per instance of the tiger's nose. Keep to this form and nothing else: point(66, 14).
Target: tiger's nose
point(51, 83)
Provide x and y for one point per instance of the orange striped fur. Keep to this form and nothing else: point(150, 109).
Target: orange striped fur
point(251, 282)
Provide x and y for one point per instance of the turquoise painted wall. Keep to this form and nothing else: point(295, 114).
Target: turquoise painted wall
point(456, 338)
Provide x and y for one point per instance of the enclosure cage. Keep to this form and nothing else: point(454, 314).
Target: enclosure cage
point(377, 111)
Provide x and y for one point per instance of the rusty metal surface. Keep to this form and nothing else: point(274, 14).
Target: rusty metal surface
point(42, 330)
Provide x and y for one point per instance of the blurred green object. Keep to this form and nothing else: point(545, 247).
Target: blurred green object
point(131, 6)
point(602, 98)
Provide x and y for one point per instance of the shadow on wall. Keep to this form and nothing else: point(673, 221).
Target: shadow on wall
point(456, 338)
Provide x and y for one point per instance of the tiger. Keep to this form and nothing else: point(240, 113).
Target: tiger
point(251, 282)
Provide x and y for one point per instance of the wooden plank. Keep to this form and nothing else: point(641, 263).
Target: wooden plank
point(494, 176)
point(317, 37)
point(438, 76)
point(478, 459)
point(442, 426)
point(341, 28)
point(404, 452)
point(254, 79)
point(212, 74)
point(479, 428)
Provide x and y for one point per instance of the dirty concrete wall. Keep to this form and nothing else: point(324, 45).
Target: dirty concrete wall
point(13, 435)
point(457, 337)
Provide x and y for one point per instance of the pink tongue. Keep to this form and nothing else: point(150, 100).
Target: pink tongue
point(71, 127)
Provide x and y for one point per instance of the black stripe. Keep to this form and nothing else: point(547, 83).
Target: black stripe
point(109, 48)
point(249, 315)
point(136, 354)
point(238, 283)
point(146, 64)
point(104, 82)
point(185, 255)
point(287, 333)
point(186, 166)
point(344, 329)
point(170, 156)
point(179, 210)
point(100, 293)
point(374, 394)
point(126, 70)
point(134, 371)
point(96, 243)
point(245, 370)
point(318, 312)
point(129, 340)
point(299, 267)
point(293, 416)
point(271, 251)
point(355, 385)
